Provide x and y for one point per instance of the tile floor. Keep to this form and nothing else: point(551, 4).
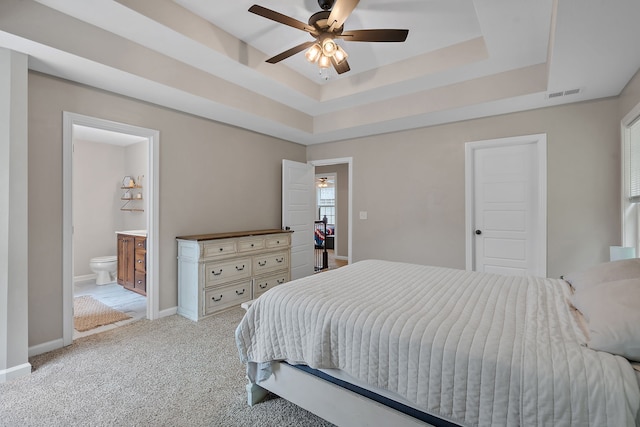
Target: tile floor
point(115, 296)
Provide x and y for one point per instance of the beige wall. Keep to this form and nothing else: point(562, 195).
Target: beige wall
point(342, 201)
point(213, 178)
point(411, 184)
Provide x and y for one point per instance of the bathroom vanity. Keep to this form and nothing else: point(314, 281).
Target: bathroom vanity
point(132, 260)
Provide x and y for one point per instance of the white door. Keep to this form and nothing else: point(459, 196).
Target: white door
point(508, 219)
point(298, 204)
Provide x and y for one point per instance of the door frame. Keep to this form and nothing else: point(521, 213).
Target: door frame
point(349, 162)
point(151, 211)
point(470, 148)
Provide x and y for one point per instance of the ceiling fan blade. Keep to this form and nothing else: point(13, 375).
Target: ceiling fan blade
point(290, 52)
point(279, 17)
point(340, 12)
point(375, 35)
point(342, 67)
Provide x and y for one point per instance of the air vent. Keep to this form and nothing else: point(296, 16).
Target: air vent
point(552, 95)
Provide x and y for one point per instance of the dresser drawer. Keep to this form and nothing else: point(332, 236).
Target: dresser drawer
point(140, 282)
point(140, 260)
point(277, 241)
point(216, 299)
point(270, 262)
point(140, 242)
point(226, 271)
point(262, 285)
point(252, 244)
point(219, 248)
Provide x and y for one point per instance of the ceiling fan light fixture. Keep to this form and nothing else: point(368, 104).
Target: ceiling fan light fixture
point(340, 56)
point(329, 47)
point(313, 53)
point(324, 61)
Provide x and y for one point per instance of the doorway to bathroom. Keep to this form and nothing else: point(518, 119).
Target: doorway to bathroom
point(110, 191)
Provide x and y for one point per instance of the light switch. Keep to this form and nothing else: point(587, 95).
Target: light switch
point(363, 214)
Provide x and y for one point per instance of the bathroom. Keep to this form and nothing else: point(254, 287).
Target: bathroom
point(109, 194)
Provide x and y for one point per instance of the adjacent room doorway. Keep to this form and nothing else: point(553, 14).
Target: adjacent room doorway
point(298, 210)
point(150, 207)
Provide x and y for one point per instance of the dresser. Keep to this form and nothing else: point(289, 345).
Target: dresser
point(223, 270)
point(132, 262)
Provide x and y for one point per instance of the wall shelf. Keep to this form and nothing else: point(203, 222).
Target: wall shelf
point(129, 197)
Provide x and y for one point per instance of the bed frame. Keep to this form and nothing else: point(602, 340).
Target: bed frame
point(335, 403)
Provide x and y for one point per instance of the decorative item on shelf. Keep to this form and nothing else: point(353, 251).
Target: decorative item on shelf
point(128, 182)
point(126, 195)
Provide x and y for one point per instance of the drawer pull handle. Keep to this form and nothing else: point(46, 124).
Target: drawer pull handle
point(252, 245)
point(139, 261)
point(240, 268)
point(216, 300)
point(263, 286)
point(239, 293)
point(139, 282)
point(262, 263)
point(221, 249)
point(216, 274)
point(277, 242)
point(280, 281)
point(279, 260)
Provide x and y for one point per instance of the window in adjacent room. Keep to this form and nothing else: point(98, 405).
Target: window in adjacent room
point(326, 198)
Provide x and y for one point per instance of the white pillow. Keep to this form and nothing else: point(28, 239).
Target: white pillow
point(612, 312)
point(605, 272)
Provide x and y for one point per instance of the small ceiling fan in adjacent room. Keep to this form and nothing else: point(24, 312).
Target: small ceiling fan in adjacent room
point(326, 26)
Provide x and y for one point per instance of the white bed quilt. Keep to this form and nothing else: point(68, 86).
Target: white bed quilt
point(474, 348)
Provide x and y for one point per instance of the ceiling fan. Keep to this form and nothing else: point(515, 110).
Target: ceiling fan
point(326, 26)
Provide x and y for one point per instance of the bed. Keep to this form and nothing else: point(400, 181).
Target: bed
point(388, 343)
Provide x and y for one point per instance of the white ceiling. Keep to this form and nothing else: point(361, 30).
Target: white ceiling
point(463, 59)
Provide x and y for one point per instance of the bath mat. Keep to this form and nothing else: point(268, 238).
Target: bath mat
point(89, 313)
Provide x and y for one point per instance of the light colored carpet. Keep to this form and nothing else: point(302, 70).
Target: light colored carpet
point(89, 313)
point(166, 372)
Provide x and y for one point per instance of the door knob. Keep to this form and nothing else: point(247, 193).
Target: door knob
point(478, 232)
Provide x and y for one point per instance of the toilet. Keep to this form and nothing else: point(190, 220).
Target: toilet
point(105, 269)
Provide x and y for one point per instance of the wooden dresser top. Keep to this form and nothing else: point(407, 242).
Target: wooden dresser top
point(214, 236)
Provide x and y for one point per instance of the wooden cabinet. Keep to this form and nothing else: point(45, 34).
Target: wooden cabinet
point(132, 262)
point(219, 271)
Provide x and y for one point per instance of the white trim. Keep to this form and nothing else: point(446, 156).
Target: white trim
point(85, 279)
point(151, 211)
point(168, 312)
point(628, 211)
point(540, 141)
point(15, 372)
point(46, 347)
point(349, 162)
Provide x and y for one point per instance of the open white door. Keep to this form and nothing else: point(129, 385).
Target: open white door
point(298, 204)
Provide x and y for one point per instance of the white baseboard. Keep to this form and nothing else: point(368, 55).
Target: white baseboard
point(45, 347)
point(15, 372)
point(168, 312)
point(342, 258)
point(84, 280)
